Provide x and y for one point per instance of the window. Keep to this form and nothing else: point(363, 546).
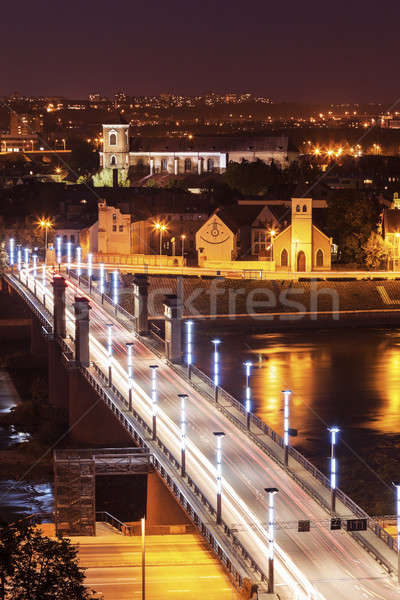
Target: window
point(320, 258)
point(113, 139)
point(114, 216)
point(121, 227)
point(304, 208)
point(113, 161)
point(72, 239)
point(114, 228)
point(65, 239)
point(164, 164)
point(210, 164)
point(284, 258)
point(188, 164)
point(298, 208)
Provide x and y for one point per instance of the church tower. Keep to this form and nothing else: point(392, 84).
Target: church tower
point(301, 234)
point(115, 145)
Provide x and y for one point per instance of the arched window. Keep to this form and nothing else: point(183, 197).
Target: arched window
point(210, 164)
point(188, 164)
point(113, 139)
point(301, 261)
point(304, 208)
point(298, 208)
point(284, 258)
point(113, 161)
point(320, 258)
point(164, 164)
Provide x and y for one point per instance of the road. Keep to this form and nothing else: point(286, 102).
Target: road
point(319, 564)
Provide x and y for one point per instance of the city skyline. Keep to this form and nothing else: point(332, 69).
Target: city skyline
point(73, 50)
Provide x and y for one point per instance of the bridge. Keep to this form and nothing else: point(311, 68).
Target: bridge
point(106, 395)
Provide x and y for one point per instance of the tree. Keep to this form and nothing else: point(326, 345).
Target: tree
point(36, 567)
point(376, 252)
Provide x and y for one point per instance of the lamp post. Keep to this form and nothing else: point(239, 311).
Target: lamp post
point(154, 398)
point(109, 352)
point(11, 245)
point(115, 276)
point(58, 252)
point(216, 378)
point(271, 543)
point(34, 260)
point(333, 431)
point(189, 351)
point(183, 238)
point(44, 284)
point(161, 228)
point(26, 258)
point(78, 263)
point(19, 259)
point(90, 270)
point(45, 224)
point(129, 346)
point(397, 502)
point(69, 254)
point(248, 366)
point(101, 281)
point(143, 528)
point(272, 233)
point(286, 413)
point(183, 433)
point(219, 435)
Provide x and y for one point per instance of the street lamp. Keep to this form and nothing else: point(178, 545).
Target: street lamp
point(129, 346)
point(248, 366)
point(115, 289)
point(161, 228)
point(26, 258)
point(45, 224)
point(271, 517)
point(69, 254)
point(34, 259)
point(44, 283)
point(154, 398)
point(58, 252)
point(19, 260)
point(397, 486)
point(216, 378)
point(183, 433)
point(78, 263)
point(183, 238)
point(272, 233)
point(90, 270)
point(219, 435)
point(286, 411)
point(109, 352)
point(333, 431)
point(101, 281)
point(189, 354)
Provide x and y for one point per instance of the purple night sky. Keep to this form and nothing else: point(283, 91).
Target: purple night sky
point(313, 51)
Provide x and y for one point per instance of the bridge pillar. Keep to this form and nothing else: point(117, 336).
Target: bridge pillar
point(140, 292)
point(81, 307)
point(38, 344)
point(161, 506)
point(57, 376)
point(173, 327)
point(59, 286)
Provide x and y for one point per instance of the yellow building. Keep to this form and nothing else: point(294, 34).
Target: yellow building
point(302, 246)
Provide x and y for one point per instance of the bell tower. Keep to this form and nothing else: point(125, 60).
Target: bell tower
point(115, 153)
point(301, 234)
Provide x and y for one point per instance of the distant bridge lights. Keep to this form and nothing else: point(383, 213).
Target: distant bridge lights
point(333, 431)
point(216, 374)
point(26, 258)
point(219, 435)
point(19, 260)
point(271, 536)
point(189, 346)
point(286, 429)
point(247, 366)
point(129, 347)
point(109, 352)
point(101, 281)
point(90, 270)
point(11, 258)
point(79, 263)
point(58, 252)
point(69, 256)
point(154, 408)
point(183, 398)
point(115, 284)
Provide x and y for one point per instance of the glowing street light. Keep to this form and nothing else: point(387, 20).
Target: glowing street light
point(109, 352)
point(286, 431)
point(19, 259)
point(44, 282)
point(183, 238)
point(189, 347)
point(115, 280)
point(45, 224)
point(161, 228)
point(79, 263)
point(333, 431)
point(183, 433)
point(69, 256)
point(271, 542)
point(154, 398)
point(248, 366)
point(216, 377)
point(397, 502)
point(11, 246)
point(101, 281)
point(219, 435)
point(90, 269)
point(129, 346)
point(34, 260)
point(26, 258)
point(58, 252)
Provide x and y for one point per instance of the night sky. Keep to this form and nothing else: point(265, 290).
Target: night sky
point(313, 51)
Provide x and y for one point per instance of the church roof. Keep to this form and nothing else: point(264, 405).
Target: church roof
point(236, 216)
point(213, 143)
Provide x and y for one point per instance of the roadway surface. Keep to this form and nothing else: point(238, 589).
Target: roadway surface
point(319, 564)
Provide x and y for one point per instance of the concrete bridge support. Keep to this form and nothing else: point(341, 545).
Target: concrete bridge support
point(140, 293)
point(59, 286)
point(82, 307)
point(161, 507)
point(173, 327)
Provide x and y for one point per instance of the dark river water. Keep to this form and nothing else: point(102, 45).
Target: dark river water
point(344, 377)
